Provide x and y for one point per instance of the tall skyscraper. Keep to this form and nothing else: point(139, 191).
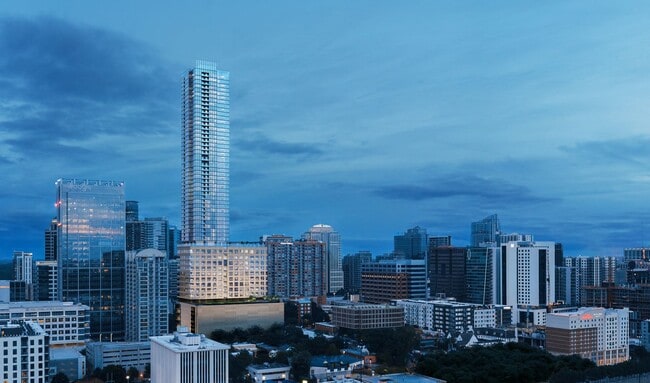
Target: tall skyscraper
point(332, 239)
point(147, 294)
point(91, 251)
point(412, 244)
point(295, 267)
point(486, 231)
point(206, 155)
point(527, 275)
point(481, 274)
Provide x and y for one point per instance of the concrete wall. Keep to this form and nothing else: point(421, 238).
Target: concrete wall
point(230, 316)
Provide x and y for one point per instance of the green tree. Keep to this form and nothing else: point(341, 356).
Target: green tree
point(300, 364)
point(133, 373)
point(115, 373)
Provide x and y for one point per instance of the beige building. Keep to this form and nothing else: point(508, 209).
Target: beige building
point(205, 318)
point(234, 271)
point(594, 333)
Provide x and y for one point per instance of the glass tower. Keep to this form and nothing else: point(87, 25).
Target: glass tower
point(333, 266)
point(91, 251)
point(206, 155)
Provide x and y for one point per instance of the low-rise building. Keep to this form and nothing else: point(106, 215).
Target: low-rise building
point(67, 323)
point(364, 316)
point(326, 368)
point(125, 354)
point(68, 361)
point(594, 333)
point(269, 372)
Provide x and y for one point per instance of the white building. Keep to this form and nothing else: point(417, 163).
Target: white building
point(269, 372)
point(594, 333)
point(438, 315)
point(66, 323)
point(125, 354)
point(527, 274)
point(28, 345)
point(147, 295)
point(188, 358)
point(23, 266)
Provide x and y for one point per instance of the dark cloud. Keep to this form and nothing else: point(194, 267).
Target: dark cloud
point(460, 186)
point(69, 82)
point(263, 144)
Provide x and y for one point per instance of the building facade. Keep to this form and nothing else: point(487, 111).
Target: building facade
point(205, 188)
point(296, 268)
point(594, 333)
point(332, 240)
point(366, 317)
point(387, 280)
point(447, 271)
point(125, 354)
point(441, 315)
point(67, 324)
point(188, 358)
point(480, 274)
point(486, 231)
point(412, 244)
point(91, 251)
point(50, 237)
point(352, 270)
point(46, 281)
point(147, 294)
point(28, 345)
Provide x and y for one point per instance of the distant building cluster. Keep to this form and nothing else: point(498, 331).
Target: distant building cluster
point(117, 284)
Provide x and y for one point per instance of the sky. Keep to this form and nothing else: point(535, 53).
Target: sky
point(370, 116)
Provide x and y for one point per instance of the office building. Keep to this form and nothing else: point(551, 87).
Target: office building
point(480, 274)
point(147, 294)
point(594, 333)
point(124, 354)
point(152, 233)
point(527, 275)
point(412, 244)
point(174, 238)
point(23, 266)
point(91, 251)
point(486, 231)
point(46, 281)
point(645, 334)
point(28, 346)
point(367, 316)
point(20, 291)
point(68, 361)
point(206, 317)
point(132, 211)
point(296, 268)
point(439, 241)
point(447, 271)
point(205, 155)
point(188, 358)
point(51, 247)
point(332, 240)
point(638, 253)
point(352, 270)
point(66, 323)
point(387, 280)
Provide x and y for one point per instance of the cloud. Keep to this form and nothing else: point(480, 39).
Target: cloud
point(627, 150)
point(263, 144)
point(66, 83)
point(460, 186)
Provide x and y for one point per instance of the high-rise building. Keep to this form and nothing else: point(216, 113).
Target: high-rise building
point(91, 251)
point(567, 285)
point(481, 274)
point(174, 238)
point(188, 358)
point(206, 155)
point(332, 240)
point(447, 271)
point(591, 271)
point(46, 281)
point(295, 267)
point(485, 231)
point(412, 244)
point(439, 240)
point(147, 294)
point(352, 270)
point(527, 275)
point(631, 254)
point(132, 209)
point(50, 240)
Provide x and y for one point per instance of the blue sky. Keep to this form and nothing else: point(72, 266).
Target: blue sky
point(372, 117)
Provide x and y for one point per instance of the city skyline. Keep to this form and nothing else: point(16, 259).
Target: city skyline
point(370, 118)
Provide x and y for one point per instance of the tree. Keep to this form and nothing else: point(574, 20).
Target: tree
point(60, 378)
point(115, 373)
point(300, 364)
point(133, 373)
